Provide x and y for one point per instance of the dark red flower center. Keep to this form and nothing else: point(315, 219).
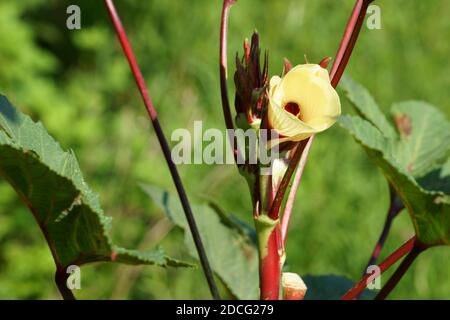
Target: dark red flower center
point(293, 108)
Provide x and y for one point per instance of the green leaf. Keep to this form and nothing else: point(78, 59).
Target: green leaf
point(424, 136)
point(330, 287)
point(429, 210)
point(233, 257)
point(233, 222)
point(415, 158)
point(420, 142)
point(366, 106)
point(437, 180)
point(49, 181)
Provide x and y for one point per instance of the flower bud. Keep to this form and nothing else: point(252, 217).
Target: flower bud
point(251, 81)
point(293, 286)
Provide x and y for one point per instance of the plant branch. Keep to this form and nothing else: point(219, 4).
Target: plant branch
point(61, 277)
point(401, 270)
point(224, 73)
point(121, 34)
point(393, 211)
point(349, 40)
point(354, 292)
point(270, 266)
point(293, 192)
point(274, 211)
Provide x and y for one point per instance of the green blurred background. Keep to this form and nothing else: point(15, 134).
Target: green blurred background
point(79, 85)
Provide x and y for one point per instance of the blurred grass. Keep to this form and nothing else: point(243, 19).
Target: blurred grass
point(78, 84)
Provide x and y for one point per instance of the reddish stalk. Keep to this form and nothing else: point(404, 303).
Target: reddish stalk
point(270, 268)
point(274, 211)
point(406, 248)
point(227, 4)
point(349, 40)
point(401, 270)
point(393, 211)
point(270, 265)
point(121, 34)
point(293, 192)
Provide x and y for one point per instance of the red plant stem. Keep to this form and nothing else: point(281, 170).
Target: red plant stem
point(121, 34)
point(354, 292)
point(293, 192)
point(348, 41)
point(393, 211)
point(270, 268)
point(274, 211)
point(401, 270)
point(223, 74)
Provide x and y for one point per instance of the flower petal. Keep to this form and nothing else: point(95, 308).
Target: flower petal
point(286, 124)
point(309, 87)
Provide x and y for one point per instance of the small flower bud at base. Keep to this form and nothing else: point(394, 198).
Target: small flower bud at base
point(293, 286)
